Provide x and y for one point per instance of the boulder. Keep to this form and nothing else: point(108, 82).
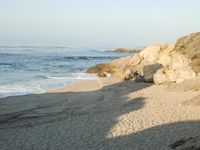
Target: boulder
point(164, 75)
point(115, 68)
point(150, 70)
point(151, 53)
point(185, 74)
point(134, 60)
point(101, 69)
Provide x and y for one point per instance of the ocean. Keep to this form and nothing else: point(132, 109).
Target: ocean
point(27, 70)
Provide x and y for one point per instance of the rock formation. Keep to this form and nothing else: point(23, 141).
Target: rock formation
point(114, 68)
point(190, 47)
point(159, 63)
point(123, 50)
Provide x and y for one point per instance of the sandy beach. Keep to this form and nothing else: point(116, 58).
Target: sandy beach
point(99, 75)
point(101, 114)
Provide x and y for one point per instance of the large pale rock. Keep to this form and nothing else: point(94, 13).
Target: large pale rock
point(160, 77)
point(144, 64)
point(151, 53)
point(165, 55)
point(172, 76)
point(179, 61)
point(185, 74)
point(134, 60)
point(165, 76)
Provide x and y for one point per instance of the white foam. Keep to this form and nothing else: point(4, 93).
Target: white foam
point(74, 76)
point(41, 85)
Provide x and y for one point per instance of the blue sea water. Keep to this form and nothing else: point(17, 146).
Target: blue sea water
point(25, 70)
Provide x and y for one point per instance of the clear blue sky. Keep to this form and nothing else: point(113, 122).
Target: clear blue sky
point(96, 23)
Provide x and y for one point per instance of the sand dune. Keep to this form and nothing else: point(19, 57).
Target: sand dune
point(101, 114)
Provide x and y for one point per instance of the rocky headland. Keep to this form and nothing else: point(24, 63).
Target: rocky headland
point(159, 63)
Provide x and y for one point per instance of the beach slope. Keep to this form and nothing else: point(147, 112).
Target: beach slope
point(101, 114)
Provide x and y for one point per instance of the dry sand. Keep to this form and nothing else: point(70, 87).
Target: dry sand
point(101, 114)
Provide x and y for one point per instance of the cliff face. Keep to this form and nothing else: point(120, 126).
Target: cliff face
point(160, 63)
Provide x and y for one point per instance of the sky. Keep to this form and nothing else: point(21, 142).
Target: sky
point(96, 23)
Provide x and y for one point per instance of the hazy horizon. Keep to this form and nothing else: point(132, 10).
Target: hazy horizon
point(96, 24)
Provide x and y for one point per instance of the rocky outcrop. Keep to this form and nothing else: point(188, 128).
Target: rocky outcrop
point(101, 70)
point(160, 63)
point(148, 62)
point(189, 46)
point(184, 61)
point(123, 50)
point(176, 70)
point(113, 68)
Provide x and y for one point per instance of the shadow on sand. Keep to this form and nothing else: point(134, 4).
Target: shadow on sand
point(82, 120)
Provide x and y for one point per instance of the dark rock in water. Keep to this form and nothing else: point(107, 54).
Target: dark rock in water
point(190, 46)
